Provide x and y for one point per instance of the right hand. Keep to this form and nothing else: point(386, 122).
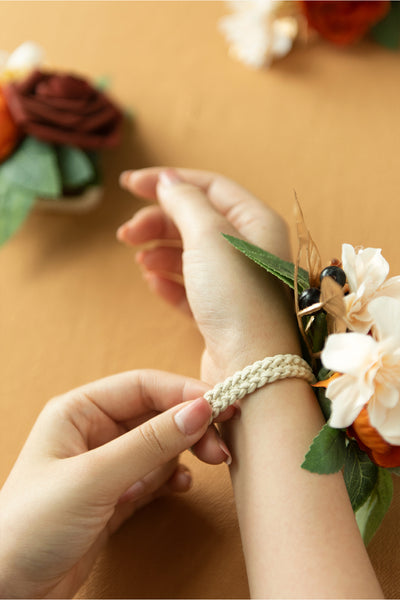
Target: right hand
point(243, 313)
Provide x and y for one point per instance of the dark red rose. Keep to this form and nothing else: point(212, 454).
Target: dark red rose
point(64, 109)
point(343, 22)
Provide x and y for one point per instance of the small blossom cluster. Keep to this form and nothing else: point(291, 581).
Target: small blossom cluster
point(260, 31)
point(365, 395)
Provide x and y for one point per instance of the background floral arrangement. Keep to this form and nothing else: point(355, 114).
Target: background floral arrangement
point(260, 31)
point(52, 125)
point(349, 319)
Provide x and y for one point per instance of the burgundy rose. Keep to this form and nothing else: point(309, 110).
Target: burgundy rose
point(64, 109)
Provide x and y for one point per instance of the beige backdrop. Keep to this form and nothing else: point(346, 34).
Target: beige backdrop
point(74, 308)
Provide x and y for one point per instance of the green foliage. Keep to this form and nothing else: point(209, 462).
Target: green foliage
point(360, 475)
point(76, 168)
point(371, 513)
point(387, 31)
point(15, 204)
point(327, 452)
point(282, 269)
point(33, 166)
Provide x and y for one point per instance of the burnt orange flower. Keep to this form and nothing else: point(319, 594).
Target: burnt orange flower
point(380, 452)
point(8, 130)
point(343, 22)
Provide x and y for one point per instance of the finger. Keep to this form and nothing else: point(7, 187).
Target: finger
point(149, 223)
point(150, 483)
point(212, 449)
point(192, 212)
point(167, 260)
point(128, 395)
point(179, 482)
point(171, 291)
point(112, 468)
point(252, 218)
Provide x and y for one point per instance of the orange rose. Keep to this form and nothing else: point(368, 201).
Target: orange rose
point(8, 129)
point(343, 22)
point(380, 452)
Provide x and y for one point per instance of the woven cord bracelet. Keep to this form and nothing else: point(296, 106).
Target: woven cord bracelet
point(252, 377)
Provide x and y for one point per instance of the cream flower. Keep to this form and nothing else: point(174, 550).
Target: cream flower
point(259, 31)
point(371, 372)
point(25, 58)
point(366, 271)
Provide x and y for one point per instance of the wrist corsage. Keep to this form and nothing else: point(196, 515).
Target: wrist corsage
point(52, 125)
point(348, 314)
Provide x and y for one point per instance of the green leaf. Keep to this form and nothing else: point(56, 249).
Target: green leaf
point(327, 451)
point(360, 475)
point(76, 168)
point(387, 31)
point(103, 83)
point(371, 513)
point(15, 204)
point(324, 402)
point(282, 269)
point(33, 166)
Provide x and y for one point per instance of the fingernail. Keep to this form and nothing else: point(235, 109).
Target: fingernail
point(124, 178)
point(169, 178)
point(225, 450)
point(193, 416)
point(136, 490)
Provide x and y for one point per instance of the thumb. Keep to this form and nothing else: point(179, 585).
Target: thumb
point(115, 466)
point(190, 209)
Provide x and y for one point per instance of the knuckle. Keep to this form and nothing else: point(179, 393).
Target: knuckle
point(151, 437)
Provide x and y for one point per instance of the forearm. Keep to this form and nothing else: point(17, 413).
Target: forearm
point(299, 534)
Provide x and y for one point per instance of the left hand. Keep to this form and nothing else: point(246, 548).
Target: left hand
point(93, 457)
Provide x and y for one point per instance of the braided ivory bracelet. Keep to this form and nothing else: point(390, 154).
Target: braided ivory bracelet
point(255, 376)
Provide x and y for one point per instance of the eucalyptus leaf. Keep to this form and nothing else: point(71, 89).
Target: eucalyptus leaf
point(370, 515)
point(327, 452)
point(282, 269)
point(15, 204)
point(33, 166)
point(360, 475)
point(76, 168)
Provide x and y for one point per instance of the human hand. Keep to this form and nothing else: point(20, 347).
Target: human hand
point(93, 457)
point(242, 312)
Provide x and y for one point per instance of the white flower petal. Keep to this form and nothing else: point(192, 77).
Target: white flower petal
point(3, 59)
point(385, 421)
point(27, 56)
point(247, 36)
point(385, 314)
point(349, 266)
point(349, 353)
point(347, 401)
point(366, 268)
point(284, 32)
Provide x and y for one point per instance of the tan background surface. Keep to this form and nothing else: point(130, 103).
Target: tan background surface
point(73, 305)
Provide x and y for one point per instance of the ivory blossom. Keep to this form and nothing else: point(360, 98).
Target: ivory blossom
point(257, 31)
point(370, 367)
point(366, 271)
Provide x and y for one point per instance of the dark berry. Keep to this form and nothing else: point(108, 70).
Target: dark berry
point(309, 297)
point(336, 273)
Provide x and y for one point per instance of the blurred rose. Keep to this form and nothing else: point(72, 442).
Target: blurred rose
point(343, 22)
point(8, 129)
point(64, 109)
